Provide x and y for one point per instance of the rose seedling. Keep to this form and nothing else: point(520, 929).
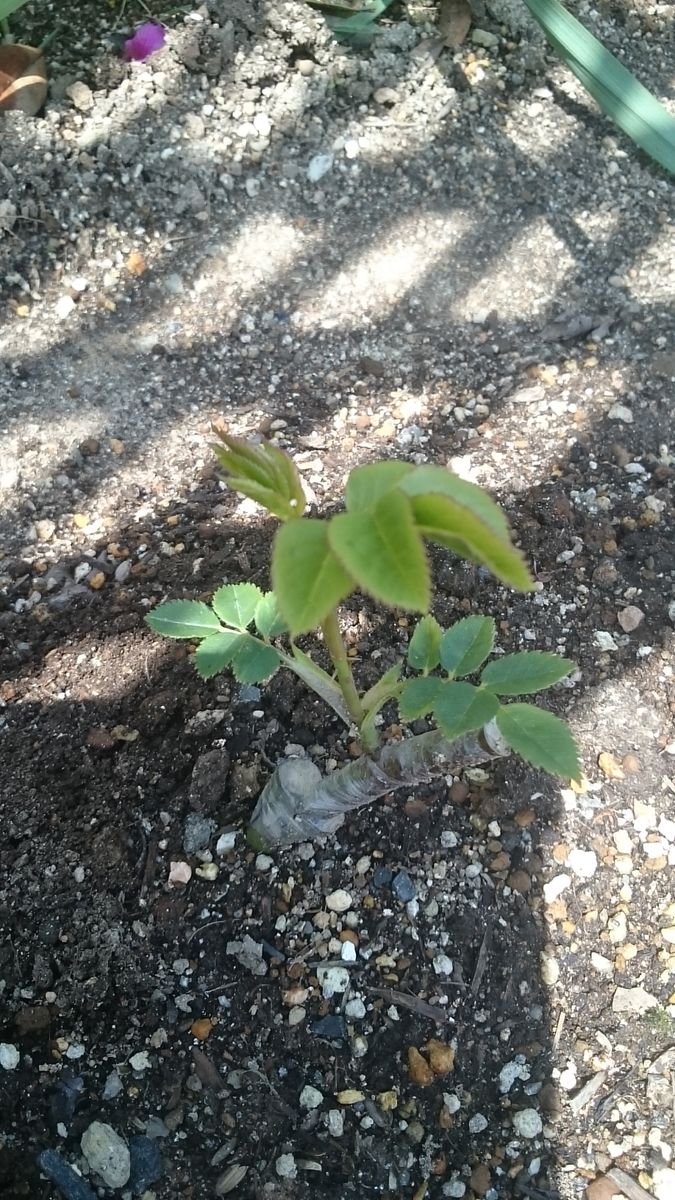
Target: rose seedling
point(377, 545)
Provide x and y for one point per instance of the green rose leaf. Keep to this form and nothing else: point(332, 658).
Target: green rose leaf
point(250, 660)
point(183, 619)
point(366, 485)
point(215, 653)
point(419, 696)
point(383, 552)
point(385, 689)
point(529, 671)
point(430, 480)
point(461, 707)
point(450, 524)
point(425, 643)
point(540, 738)
point(268, 619)
point(236, 603)
point(308, 579)
point(467, 644)
point(264, 496)
point(253, 661)
point(262, 472)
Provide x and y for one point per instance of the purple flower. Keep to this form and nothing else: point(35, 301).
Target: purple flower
point(147, 39)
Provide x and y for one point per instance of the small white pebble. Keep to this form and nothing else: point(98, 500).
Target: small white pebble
point(286, 1167)
point(226, 842)
point(355, 1009)
point(338, 901)
point(310, 1097)
point(528, 1123)
point(140, 1061)
point(555, 887)
point(622, 841)
point(9, 1056)
point(582, 863)
point(442, 964)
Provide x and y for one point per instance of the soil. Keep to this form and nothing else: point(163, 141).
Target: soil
point(483, 277)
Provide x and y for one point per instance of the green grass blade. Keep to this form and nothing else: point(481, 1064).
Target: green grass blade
point(635, 110)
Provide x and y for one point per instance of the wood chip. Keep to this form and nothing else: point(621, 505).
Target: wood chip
point(585, 1094)
point(405, 1000)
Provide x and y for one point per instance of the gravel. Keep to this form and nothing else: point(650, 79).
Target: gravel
point(361, 253)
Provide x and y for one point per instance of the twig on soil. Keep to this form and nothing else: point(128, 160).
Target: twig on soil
point(412, 1002)
point(482, 960)
point(632, 1190)
point(209, 924)
point(603, 1106)
point(150, 863)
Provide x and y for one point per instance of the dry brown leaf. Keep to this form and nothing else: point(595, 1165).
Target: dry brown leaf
point(454, 22)
point(23, 79)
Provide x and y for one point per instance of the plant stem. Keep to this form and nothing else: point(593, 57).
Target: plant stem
point(298, 803)
point(338, 653)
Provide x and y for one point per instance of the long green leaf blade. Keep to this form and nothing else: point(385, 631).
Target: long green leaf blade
point(449, 524)
point(616, 90)
point(432, 480)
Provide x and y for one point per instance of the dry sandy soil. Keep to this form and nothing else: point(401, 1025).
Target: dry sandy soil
point(362, 253)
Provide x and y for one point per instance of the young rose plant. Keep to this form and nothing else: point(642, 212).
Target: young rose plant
point(376, 546)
